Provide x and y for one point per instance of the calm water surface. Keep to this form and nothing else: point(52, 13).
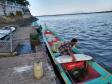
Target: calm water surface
point(94, 32)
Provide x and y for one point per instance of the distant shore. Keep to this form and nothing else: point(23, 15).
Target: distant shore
point(75, 13)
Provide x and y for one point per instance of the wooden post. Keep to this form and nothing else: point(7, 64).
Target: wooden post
point(11, 41)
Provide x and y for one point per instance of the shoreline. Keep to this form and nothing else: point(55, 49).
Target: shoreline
point(74, 14)
point(19, 22)
point(19, 69)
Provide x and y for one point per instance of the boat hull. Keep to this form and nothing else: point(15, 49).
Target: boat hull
point(99, 74)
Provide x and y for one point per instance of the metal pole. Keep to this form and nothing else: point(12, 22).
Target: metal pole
point(11, 40)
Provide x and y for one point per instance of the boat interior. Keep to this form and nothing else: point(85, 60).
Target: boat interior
point(81, 74)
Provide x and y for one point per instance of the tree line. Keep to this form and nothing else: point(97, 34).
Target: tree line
point(22, 2)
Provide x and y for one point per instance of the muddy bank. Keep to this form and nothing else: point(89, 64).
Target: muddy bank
point(18, 21)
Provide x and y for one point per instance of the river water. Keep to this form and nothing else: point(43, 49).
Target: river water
point(93, 31)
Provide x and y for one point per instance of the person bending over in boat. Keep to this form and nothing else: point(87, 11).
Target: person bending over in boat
point(66, 47)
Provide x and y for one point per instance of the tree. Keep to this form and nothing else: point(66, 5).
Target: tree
point(4, 6)
point(11, 0)
point(26, 3)
point(23, 2)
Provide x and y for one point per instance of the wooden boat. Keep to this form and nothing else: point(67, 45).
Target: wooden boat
point(75, 72)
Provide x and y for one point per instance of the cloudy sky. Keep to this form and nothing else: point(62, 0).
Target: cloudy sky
point(50, 7)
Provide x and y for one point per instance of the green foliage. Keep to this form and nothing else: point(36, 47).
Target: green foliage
point(11, 0)
point(11, 15)
point(34, 36)
point(22, 2)
point(18, 13)
point(3, 1)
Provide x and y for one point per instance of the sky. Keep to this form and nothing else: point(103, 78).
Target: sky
point(52, 7)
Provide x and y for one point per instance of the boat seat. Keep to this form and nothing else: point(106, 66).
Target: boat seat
point(78, 58)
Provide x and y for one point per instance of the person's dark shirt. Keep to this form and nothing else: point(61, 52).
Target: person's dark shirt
point(65, 48)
